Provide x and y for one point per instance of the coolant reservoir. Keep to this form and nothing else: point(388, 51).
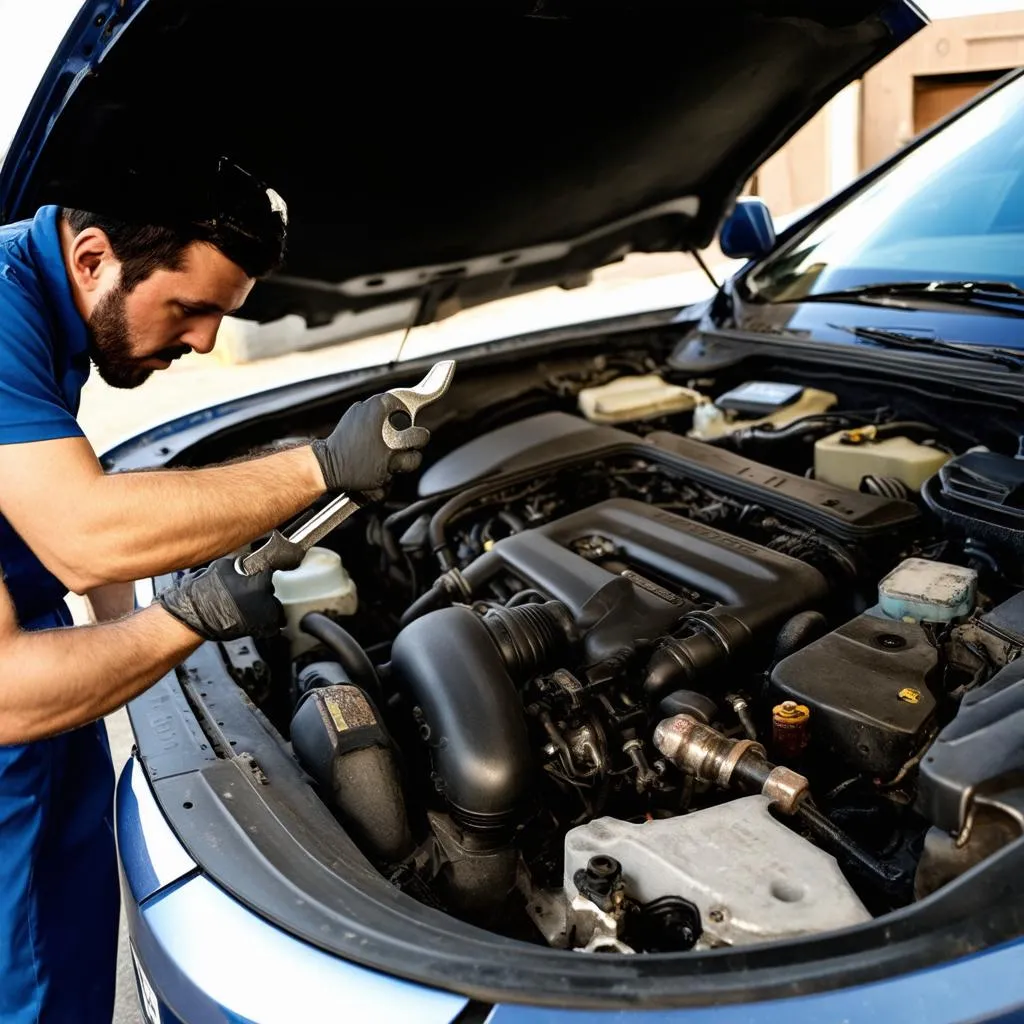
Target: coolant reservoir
point(846, 457)
point(319, 584)
point(626, 399)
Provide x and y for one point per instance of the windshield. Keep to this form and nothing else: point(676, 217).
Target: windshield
point(952, 210)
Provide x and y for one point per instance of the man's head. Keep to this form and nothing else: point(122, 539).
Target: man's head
point(150, 293)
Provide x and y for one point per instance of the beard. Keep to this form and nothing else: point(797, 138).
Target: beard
point(110, 344)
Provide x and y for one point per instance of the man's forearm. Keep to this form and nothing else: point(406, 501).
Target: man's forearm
point(142, 524)
point(56, 680)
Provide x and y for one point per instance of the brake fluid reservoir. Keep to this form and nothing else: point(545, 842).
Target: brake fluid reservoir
point(846, 457)
point(319, 584)
point(635, 398)
point(921, 591)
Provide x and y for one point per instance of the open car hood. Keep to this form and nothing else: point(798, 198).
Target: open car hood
point(439, 155)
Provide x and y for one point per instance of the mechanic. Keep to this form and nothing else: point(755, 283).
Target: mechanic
point(55, 680)
point(131, 294)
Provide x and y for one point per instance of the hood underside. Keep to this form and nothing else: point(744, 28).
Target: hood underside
point(440, 155)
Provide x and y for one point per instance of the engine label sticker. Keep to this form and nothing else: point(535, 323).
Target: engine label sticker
point(334, 710)
point(348, 708)
point(651, 587)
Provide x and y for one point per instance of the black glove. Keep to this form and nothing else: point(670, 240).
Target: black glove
point(355, 457)
point(220, 603)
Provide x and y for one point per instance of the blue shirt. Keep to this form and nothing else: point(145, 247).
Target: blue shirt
point(44, 362)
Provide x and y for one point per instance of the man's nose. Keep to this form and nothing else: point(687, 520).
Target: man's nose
point(202, 339)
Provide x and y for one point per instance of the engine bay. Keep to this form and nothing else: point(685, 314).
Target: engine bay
point(655, 664)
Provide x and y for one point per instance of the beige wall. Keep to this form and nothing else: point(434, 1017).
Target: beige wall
point(798, 174)
point(986, 42)
point(804, 171)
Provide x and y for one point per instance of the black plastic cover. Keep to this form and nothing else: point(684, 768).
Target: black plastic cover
point(852, 680)
point(981, 494)
point(537, 442)
point(841, 512)
point(662, 564)
point(980, 749)
point(1008, 619)
point(529, 442)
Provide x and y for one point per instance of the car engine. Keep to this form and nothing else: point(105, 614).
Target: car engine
point(614, 684)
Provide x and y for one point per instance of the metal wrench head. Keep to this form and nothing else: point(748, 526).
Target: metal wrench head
point(430, 389)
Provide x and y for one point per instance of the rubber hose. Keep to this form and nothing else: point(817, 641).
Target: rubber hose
point(428, 601)
point(886, 487)
point(463, 672)
point(349, 652)
point(798, 631)
point(793, 429)
point(438, 523)
point(513, 522)
point(899, 427)
point(525, 597)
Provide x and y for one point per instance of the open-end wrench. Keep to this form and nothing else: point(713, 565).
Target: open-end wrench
point(286, 551)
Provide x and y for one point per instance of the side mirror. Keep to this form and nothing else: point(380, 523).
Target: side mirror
point(748, 232)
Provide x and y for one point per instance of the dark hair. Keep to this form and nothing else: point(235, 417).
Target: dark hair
point(237, 215)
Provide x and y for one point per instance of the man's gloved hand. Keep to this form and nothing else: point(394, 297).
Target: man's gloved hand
point(355, 457)
point(219, 603)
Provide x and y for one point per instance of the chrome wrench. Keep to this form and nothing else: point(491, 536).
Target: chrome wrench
point(286, 550)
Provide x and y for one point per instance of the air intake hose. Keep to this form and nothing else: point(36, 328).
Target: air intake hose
point(713, 638)
point(461, 670)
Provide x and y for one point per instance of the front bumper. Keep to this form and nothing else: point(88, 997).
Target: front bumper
point(206, 957)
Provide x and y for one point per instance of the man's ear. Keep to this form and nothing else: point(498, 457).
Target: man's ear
point(91, 260)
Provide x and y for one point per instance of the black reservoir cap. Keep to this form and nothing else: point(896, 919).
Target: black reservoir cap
point(759, 398)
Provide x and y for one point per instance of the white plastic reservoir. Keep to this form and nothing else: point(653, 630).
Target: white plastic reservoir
point(319, 584)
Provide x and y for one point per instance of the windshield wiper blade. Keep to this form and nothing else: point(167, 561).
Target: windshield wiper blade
point(1002, 295)
point(936, 346)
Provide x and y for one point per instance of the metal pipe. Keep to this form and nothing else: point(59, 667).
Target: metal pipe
point(706, 754)
point(832, 836)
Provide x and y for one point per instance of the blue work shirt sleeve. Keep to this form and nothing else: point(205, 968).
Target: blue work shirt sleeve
point(32, 407)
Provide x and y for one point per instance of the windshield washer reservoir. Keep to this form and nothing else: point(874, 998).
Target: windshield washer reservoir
point(319, 584)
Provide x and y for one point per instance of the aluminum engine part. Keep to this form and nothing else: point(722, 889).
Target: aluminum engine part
point(752, 879)
point(704, 752)
point(595, 928)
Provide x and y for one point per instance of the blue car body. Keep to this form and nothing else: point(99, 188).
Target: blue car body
point(211, 945)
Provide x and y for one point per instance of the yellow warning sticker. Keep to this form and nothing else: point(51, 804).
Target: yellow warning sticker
point(334, 710)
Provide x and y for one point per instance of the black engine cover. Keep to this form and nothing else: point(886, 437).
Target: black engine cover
point(867, 687)
point(658, 567)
